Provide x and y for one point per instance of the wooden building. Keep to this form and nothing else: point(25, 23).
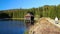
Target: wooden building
point(29, 18)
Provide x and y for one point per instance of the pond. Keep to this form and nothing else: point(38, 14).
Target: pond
point(12, 27)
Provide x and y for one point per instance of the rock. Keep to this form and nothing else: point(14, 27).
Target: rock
point(43, 26)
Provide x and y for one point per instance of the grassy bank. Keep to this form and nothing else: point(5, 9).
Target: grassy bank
point(17, 18)
point(26, 32)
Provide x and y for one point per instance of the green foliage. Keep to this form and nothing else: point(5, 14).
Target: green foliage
point(44, 11)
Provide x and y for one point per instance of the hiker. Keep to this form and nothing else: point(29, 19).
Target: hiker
point(56, 20)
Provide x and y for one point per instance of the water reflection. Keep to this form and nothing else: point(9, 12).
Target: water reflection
point(12, 27)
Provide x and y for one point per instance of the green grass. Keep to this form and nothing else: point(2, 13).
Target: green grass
point(26, 32)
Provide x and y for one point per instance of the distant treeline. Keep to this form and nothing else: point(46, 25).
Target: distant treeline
point(44, 11)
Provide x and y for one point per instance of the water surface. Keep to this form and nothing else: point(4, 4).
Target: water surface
point(12, 27)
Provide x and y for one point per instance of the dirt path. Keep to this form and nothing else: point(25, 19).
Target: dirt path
point(43, 26)
point(53, 22)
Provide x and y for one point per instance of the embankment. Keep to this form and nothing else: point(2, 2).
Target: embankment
point(43, 26)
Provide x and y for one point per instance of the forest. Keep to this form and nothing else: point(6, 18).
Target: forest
point(44, 11)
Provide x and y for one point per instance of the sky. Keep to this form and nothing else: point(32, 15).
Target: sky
point(17, 4)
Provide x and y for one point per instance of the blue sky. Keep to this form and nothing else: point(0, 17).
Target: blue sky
point(16, 4)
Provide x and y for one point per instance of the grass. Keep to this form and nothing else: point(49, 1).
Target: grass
point(26, 32)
